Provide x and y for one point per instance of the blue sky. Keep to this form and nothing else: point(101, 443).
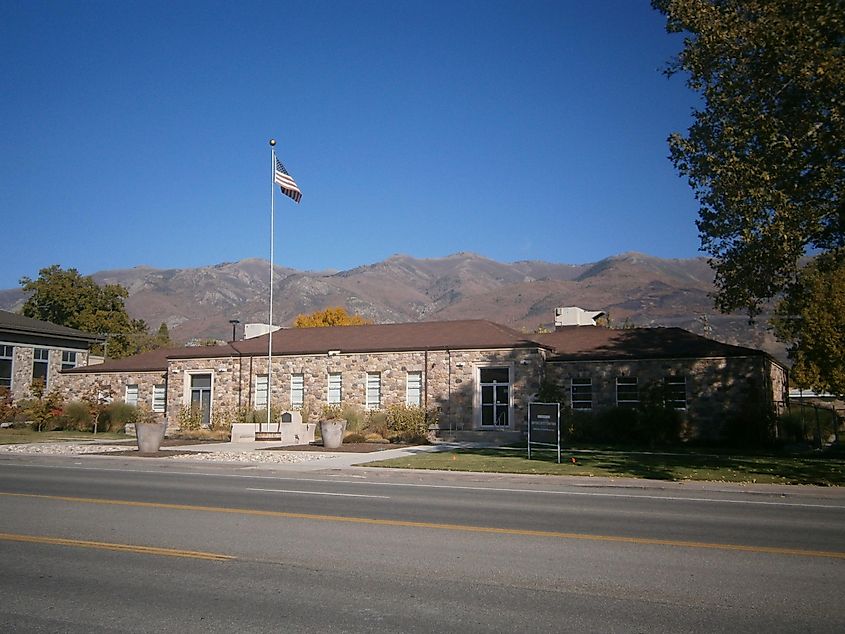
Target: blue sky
point(137, 132)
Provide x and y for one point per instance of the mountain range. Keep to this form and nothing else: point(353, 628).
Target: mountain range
point(633, 288)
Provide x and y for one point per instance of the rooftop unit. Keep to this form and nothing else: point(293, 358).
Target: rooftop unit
point(574, 316)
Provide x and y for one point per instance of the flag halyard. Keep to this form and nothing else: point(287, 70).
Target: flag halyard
point(285, 182)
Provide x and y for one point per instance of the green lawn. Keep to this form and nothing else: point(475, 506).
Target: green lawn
point(15, 436)
point(826, 470)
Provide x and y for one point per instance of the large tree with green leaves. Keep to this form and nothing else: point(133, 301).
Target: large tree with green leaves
point(765, 154)
point(67, 298)
point(811, 319)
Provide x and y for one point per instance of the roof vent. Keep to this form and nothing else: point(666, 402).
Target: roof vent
point(574, 316)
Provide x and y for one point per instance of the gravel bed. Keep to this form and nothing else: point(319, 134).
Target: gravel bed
point(71, 449)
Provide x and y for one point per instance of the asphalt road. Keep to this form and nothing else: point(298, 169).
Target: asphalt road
point(121, 545)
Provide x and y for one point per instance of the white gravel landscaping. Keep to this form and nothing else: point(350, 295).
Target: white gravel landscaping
point(71, 449)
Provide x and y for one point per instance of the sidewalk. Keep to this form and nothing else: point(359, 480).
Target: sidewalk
point(315, 460)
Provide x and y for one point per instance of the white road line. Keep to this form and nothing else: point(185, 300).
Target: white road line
point(346, 495)
point(450, 486)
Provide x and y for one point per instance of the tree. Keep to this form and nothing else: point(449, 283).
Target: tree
point(332, 316)
point(66, 298)
point(764, 154)
point(162, 338)
point(811, 319)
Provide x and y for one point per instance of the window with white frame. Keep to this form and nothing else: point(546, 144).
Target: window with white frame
point(40, 364)
point(413, 389)
point(627, 391)
point(68, 360)
point(335, 392)
point(6, 356)
point(675, 391)
point(581, 393)
point(373, 390)
point(159, 398)
point(262, 384)
point(297, 389)
point(131, 396)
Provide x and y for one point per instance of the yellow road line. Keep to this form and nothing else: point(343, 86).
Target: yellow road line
point(129, 548)
point(771, 550)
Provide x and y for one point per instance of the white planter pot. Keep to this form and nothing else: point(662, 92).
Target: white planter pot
point(332, 432)
point(149, 436)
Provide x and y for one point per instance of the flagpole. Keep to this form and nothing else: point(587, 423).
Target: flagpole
point(272, 241)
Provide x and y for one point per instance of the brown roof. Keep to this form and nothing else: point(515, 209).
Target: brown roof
point(13, 322)
point(573, 343)
point(432, 335)
point(151, 361)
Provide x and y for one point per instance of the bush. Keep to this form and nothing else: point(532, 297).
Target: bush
point(409, 423)
point(9, 412)
point(376, 422)
point(190, 417)
point(115, 416)
point(77, 415)
point(44, 410)
point(354, 437)
point(356, 418)
point(331, 412)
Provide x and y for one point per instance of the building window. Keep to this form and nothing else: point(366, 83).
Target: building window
point(131, 397)
point(335, 395)
point(159, 398)
point(40, 365)
point(68, 360)
point(676, 391)
point(373, 390)
point(627, 392)
point(262, 384)
point(6, 356)
point(297, 389)
point(581, 393)
point(413, 389)
point(201, 396)
point(495, 386)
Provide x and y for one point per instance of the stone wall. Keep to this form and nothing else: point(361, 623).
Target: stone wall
point(23, 357)
point(109, 386)
point(449, 380)
point(716, 388)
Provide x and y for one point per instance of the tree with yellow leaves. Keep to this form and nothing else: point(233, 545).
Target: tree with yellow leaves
point(331, 316)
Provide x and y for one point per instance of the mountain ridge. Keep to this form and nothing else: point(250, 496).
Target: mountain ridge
point(634, 288)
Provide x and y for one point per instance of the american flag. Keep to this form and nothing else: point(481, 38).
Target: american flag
point(285, 182)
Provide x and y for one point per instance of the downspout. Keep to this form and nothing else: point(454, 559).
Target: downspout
point(425, 389)
point(449, 391)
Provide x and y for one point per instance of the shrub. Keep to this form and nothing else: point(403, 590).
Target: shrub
point(331, 412)
point(409, 423)
point(221, 419)
point(371, 437)
point(9, 412)
point(356, 418)
point(354, 437)
point(115, 416)
point(376, 422)
point(77, 415)
point(44, 410)
point(190, 417)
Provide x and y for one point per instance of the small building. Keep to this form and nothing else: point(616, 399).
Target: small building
point(31, 349)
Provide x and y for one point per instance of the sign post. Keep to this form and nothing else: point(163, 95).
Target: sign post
point(544, 426)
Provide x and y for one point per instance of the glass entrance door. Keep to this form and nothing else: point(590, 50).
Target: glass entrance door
point(495, 396)
point(201, 396)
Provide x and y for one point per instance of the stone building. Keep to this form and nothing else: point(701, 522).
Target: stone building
point(480, 375)
point(704, 380)
point(31, 349)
